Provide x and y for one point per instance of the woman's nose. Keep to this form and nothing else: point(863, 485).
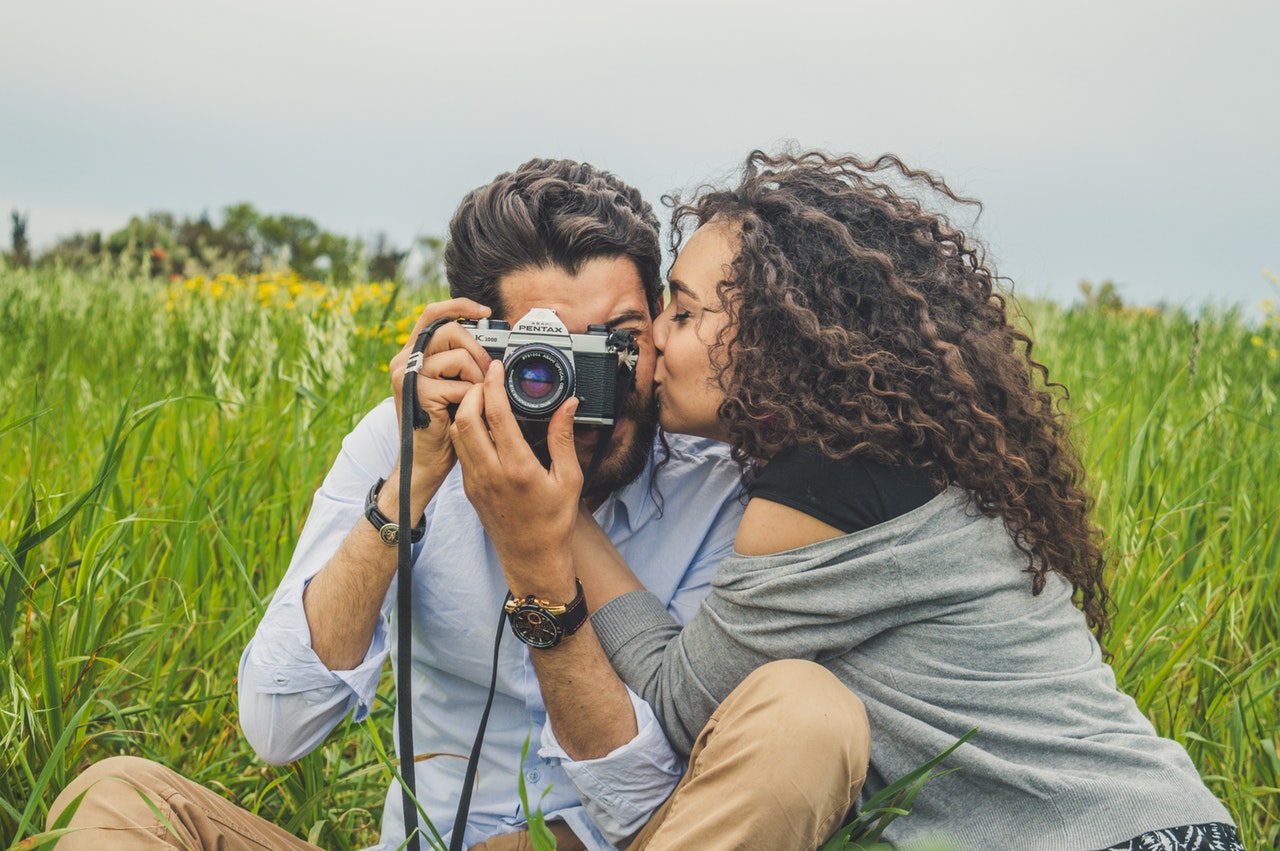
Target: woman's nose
point(660, 332)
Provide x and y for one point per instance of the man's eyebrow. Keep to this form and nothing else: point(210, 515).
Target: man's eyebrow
point(624, 318)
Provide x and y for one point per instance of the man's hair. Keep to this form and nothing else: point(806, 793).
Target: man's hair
point(549, 213)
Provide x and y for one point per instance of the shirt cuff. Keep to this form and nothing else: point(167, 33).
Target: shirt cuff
point(622, 789)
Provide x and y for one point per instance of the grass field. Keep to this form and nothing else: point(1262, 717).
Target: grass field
point(159, 444)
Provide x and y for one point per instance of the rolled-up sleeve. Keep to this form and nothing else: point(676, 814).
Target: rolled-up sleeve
point(289, 701)
point(622, 789)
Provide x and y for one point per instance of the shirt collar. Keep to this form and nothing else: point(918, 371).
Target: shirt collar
point(630, 505)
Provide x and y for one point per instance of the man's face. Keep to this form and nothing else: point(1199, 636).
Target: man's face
point(606, 291)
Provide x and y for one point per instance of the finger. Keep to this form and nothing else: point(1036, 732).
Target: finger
point(470, 436)
point(454, 308)
point(437, 394)
point(453, 364)
point(560, 446)
point(457, 337)
point(506, 433)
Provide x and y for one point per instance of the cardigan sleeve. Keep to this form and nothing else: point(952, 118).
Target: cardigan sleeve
point(803, 604)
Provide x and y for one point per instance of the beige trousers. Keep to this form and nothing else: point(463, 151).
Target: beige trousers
point(778, 766)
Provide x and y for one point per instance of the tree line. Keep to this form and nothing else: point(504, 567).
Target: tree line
point(244, 241)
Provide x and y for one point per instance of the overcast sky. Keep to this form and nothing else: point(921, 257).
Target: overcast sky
point(1136, 141)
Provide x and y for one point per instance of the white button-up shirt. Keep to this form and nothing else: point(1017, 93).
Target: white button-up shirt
point(672, 525)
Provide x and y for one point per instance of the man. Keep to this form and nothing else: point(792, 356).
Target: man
point(553, 234)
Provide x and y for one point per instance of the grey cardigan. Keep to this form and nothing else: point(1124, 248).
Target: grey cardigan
point(929, 618)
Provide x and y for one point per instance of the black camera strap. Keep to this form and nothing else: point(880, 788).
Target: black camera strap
point(413, 416)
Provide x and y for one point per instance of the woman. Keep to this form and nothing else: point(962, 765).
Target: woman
point(916, 525)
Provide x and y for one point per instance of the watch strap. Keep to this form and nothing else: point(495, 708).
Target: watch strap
point(570, 616)
point(387, 528)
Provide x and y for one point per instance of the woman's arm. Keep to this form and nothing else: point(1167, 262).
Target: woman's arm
point(600, 568)
point(685, 673)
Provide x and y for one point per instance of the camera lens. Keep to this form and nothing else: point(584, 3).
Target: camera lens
point(539, 378)
point(536, 380)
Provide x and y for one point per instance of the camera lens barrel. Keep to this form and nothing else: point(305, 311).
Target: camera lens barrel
point(538, 377)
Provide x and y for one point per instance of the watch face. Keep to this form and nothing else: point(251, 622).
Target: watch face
point(390, 533)
point(536, 626)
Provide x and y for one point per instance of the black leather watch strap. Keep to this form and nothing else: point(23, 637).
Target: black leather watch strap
point(388, 529)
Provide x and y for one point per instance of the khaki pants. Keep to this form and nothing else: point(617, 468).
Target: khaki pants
point(778, 766)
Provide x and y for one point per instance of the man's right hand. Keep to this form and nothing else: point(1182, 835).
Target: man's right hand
point(342, 601)
point(452, 363)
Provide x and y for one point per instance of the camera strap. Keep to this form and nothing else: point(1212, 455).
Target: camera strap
point(413, 416)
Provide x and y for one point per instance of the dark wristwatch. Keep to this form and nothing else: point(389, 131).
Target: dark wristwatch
point(540, 624)
point(389, 530)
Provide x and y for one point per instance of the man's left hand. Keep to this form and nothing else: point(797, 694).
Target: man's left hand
point(528, 511)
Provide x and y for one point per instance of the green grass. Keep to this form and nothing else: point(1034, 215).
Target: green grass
point(156, 462)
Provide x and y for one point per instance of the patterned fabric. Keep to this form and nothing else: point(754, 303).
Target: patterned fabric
point(1192, 837)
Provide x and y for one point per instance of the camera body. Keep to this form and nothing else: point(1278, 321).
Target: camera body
point(544, 365)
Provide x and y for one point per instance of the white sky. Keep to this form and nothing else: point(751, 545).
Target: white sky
point(1129, 140)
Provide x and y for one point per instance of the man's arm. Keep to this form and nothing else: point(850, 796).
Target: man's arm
point(529, 514)
point(289, 699)
point(318, 650)
point(343, 600)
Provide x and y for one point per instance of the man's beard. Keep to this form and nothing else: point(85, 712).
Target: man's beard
point(624, 464)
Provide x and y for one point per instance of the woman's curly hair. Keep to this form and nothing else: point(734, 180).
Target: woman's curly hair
point(864, 324)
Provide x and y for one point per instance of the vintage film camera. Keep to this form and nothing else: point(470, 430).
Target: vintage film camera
point(545, 365)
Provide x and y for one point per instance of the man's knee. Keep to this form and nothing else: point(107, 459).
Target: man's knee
point(803, 710)
point(114, 779)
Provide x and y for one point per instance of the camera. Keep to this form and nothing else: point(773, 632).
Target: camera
point(544, 365)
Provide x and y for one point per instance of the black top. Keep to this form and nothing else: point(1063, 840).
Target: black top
point(849, 493)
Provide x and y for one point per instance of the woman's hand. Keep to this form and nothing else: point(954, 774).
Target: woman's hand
point(528, 511)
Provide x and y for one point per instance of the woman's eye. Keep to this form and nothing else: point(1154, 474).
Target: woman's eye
point(681, 315)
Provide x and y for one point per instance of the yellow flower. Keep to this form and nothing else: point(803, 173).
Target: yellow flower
point(1256, 340)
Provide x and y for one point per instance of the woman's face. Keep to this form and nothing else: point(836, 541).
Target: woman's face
point(687, 390)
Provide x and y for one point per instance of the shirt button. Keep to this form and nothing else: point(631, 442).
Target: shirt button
point(533, 776)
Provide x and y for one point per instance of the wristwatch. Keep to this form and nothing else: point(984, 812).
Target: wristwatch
point(540, 624)
point(387, 530)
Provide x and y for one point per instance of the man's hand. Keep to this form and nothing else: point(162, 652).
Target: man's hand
point(529, 512)
point(343, 600)
point(452, 363)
